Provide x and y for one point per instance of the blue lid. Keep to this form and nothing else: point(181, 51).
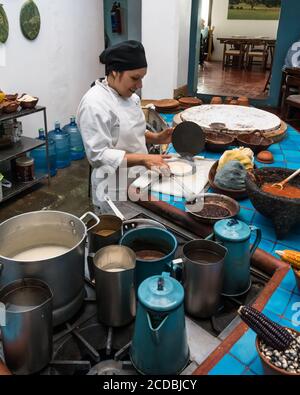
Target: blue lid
point(232, 230)
point(161, 293)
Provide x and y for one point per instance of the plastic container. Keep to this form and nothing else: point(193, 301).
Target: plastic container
point(77, 148)
point(40, 156)
point(62, 143)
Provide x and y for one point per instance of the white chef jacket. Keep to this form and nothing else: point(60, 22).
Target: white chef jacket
point(111, 126)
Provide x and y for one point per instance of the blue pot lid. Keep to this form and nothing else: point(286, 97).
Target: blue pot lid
point(161, 293)
point(232, 230)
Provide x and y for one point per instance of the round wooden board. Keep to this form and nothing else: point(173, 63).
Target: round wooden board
point(166, 104)
point(190, 101)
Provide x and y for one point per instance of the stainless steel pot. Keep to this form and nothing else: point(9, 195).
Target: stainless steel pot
point(63, 273)
point(27, 330)
point(114, 278)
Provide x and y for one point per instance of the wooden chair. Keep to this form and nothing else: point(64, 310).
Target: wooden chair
point(257, 53)
point(233, 54)
point(291, 100)
point(294, 90)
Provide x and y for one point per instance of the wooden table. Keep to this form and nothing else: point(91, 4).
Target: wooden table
point(247, 40)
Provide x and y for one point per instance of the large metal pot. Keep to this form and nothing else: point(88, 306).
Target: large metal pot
point(63, 273)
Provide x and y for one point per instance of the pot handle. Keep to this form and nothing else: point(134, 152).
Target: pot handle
point(2, 314)
point(141, 222)
point(92, 215)
point(1, 268)
point(177, 268)
point(257, 239)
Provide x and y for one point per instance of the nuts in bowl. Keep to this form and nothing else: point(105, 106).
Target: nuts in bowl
point(27, 101)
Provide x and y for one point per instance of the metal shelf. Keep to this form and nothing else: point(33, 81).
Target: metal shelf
point(24, 145)
point(18, 187)
point(21, 113)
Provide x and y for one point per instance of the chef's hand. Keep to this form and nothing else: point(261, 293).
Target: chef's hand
point(165, 137)
point(157, 163)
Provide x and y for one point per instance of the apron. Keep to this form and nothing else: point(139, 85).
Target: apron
point(132, 127)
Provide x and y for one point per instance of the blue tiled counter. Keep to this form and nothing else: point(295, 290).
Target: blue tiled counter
point(282, 307)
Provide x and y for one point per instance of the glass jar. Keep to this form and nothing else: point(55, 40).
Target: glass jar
point(25, 169)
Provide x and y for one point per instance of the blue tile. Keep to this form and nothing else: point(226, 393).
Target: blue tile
point(278, 157)
point(268, 233)
point(257, 366)
point(294, 324)
point(246, 215)
point(212, 155)
point(292, 312)
point(279, 301)
point(292, 240)
point(260, 219)
point(244, 349)
point(228, 366)
point(246, 203)
point(276, 149)
point(292, 156)
point(288, 282)
point(266, 245)
point(293, 165)
point(248, 372)
point(274, 317)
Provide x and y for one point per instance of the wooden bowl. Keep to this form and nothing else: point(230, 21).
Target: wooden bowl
point(190, 102)
point(269, 368)
point(11, 97)
point(216, 100)
point(10, 107)
point(217, 142)
point(233, 193)
point(284, 212)
point(29, 104)
point(255, 142)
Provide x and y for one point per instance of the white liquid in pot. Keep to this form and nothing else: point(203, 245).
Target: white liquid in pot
point(40, 253)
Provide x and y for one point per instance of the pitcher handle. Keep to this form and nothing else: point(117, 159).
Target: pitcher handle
point(210, 237)
point(92, 215)
point(177, 268)
point(2, 314)
point(155, 332)
point(257, 239)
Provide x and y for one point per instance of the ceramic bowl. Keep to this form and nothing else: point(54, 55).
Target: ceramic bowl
point(217, 142)
point(233, 193)
point(9, 107)
point(29, 104)
point(255, 142)
point(282, 211)
point(268, 367)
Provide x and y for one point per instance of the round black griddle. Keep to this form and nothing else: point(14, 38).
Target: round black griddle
point(188, 139)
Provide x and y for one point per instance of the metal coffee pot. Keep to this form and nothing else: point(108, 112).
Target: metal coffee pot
point(235, 236)
point(159, 344)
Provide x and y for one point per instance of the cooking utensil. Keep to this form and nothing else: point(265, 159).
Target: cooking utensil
point(286, 180)
point(188, 139)
point(27, 335)
point(203, 271)
point(64, 273)
point(114, 278)
point(220, 201)
point(234, 235)
point(159, 343)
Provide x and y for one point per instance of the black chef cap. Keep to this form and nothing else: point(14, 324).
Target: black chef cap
point(127, 55)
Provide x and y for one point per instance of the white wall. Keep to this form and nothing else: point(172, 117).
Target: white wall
point(165, 35)
point(224, 26)
point(61, 63)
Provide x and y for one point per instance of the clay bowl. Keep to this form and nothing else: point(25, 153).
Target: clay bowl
point(29, 104)
point(283, 212)
point(297, 277)
point(233, 193)
point(217, 142)
point(268, 367)
point(218, 201)
point(12, 97)
point(256, 142)
point(10, 107)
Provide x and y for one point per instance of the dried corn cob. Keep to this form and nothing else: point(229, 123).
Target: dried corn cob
point(269, 331)
point(290, 256)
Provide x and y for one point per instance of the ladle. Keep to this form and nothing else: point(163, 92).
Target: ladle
point(282, 183)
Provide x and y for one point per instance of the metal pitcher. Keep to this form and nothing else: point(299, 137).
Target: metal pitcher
point(235, 236)
point(114, 268)
point(27, 328)
point(203, 273)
